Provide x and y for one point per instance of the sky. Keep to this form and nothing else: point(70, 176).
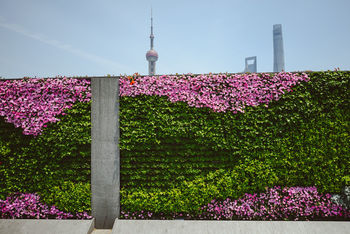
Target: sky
point(49, 38)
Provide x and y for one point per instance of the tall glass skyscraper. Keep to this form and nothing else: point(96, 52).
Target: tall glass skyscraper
point(278, 52)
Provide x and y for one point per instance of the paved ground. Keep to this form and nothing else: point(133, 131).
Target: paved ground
point(43, 226)
point(30, 226)
point(228, 227)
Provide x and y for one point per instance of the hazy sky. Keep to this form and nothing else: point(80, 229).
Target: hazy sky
point(46, 38)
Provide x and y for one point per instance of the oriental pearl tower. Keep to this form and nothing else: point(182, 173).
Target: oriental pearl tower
point(151, 55)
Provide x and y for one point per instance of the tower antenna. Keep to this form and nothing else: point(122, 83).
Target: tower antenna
point(152, 36)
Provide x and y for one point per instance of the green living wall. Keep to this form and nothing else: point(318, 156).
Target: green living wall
point(175, 158)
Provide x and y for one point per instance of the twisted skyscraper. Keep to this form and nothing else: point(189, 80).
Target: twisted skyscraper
point(278, 52)
point(151, 55)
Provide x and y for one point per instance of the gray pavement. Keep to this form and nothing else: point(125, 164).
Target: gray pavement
point(228, 227)
point(30, 226)
point(45, 226)
point(102, 231)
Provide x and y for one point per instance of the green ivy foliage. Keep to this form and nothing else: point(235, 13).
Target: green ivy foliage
point(61, 153)
point(189, 196)
point(11, 140)
point(304, 132)
point(70, 197)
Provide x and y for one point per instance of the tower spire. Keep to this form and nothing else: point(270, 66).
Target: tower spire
point(152, 36)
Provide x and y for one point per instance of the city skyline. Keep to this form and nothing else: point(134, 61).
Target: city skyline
point(60, 38)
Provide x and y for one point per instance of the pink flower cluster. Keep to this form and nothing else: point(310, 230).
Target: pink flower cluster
point(28, 206)
point(219, 92)
point(136, 215)
point(31, 103)
point(295, 203)
point(150, 215)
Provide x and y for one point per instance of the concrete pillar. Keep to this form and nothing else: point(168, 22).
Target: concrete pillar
point(105, 157)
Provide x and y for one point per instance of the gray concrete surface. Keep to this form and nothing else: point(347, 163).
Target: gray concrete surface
point(105, 155)
point(42, 226)
point(228, 227)
point(102, 231)
point(32, 226)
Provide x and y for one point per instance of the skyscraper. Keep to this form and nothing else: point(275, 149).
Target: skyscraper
point(151, 55)
point(250, 67)
point(278, 52)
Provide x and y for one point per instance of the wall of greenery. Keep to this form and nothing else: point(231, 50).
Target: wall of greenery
point(175, 158)
point(43, 164)
point(303, 136)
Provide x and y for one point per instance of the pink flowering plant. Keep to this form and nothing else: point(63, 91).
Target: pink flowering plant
point(28, 206)
point(32, 103)
point(293, 203)
point(219, 92)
